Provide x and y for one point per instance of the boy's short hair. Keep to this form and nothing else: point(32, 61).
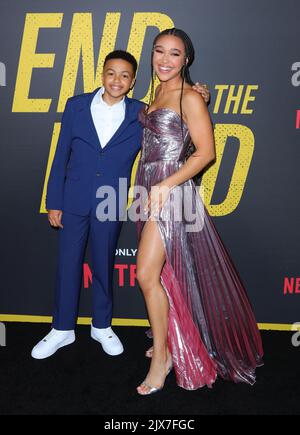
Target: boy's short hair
point(121, 54)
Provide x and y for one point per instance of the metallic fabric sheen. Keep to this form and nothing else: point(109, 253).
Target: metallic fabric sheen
point(212, 329)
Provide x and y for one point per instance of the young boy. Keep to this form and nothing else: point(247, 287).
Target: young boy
point(99, 140)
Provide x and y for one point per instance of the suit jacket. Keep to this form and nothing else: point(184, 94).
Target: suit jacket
point(80, 165)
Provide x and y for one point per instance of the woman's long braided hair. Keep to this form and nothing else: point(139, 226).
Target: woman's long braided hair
point(185, 72)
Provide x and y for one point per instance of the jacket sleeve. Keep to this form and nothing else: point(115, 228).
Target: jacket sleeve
point(55, 187)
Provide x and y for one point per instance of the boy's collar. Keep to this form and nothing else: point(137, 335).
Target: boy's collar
point(103, 102)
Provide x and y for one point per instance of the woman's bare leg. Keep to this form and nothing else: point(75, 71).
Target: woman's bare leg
point(150, 260)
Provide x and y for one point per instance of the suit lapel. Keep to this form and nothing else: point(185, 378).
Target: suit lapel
point(88, 121)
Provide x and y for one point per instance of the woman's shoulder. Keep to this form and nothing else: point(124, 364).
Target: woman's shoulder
point(192, 103)
point(190, 95)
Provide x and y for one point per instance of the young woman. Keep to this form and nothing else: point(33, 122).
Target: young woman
point(201, 319)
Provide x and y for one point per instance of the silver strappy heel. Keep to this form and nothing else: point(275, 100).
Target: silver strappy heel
point(153, 390)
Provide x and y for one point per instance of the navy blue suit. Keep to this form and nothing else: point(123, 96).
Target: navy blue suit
point(79, 167)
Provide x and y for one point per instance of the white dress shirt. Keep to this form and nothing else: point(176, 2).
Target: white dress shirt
point(107, 119)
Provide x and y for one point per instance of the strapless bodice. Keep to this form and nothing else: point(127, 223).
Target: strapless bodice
point(165, 136)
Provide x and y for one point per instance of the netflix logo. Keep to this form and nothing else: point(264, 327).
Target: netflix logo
point(126, 275)
point(291, 286)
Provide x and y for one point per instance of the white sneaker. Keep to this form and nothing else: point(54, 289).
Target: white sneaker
point(52, 342)
point(111, 344)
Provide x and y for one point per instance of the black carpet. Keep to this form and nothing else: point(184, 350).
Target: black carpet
point(82, 379)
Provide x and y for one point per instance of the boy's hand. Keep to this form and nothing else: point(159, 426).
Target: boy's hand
point(203, 91)
point(54, 217)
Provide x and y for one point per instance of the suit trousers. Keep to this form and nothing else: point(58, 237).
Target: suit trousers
point(73, 238)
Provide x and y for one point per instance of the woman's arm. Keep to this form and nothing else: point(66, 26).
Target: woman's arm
point(200, 128)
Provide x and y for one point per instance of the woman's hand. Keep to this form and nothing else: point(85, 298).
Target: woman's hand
point(156, 199)
point(54, 217)
point(203, 91)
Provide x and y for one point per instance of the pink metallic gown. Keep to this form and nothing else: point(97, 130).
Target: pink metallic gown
point(212, 329)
